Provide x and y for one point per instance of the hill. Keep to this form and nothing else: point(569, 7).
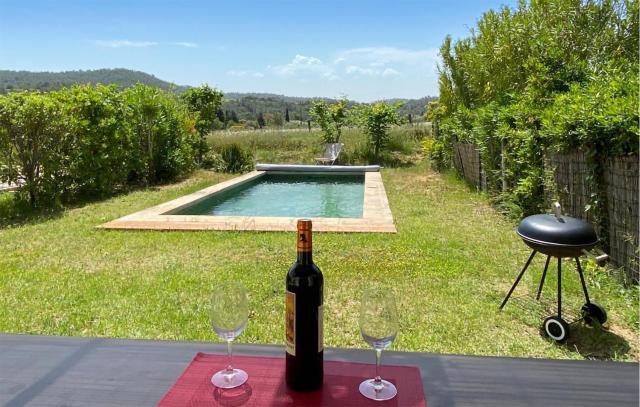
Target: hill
point(245, 106)
point(47, 81)
point(248, 105)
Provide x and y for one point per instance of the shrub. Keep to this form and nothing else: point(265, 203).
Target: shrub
point(554, 75)
point(375, 120)
point(213, 161)
point(99, 162)
point(330, 118)
point(33, 144)
point(93, 141)
point(164, 133)
point(236, 159)
point(205, 102)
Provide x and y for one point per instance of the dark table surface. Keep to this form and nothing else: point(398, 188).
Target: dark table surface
point(67, 371)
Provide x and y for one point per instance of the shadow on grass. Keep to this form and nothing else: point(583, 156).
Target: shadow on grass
point(597, 342)
point(15, 213)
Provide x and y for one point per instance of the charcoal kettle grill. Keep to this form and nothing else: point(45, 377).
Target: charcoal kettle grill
point(560, 236)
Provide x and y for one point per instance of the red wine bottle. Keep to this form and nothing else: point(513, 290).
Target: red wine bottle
point(304, 340)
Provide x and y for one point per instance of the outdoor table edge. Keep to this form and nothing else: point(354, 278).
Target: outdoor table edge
point(464, 387)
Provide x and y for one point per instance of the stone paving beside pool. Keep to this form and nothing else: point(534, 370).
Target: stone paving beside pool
point(377, 216)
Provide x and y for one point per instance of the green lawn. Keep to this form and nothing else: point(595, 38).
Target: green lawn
point(450, 264)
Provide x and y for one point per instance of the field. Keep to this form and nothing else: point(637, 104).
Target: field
point(450, 264)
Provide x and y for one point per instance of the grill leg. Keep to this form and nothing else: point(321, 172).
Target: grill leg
point(584, 286)
point(559, 287)
point(544, 274)
point(513, 287)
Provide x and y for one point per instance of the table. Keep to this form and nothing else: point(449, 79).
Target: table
point(70, 371)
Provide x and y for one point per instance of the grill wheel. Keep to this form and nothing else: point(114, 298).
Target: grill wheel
point(593, 313)
point(556, 328)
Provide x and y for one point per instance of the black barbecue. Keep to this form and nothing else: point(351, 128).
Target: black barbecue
point(560, 236)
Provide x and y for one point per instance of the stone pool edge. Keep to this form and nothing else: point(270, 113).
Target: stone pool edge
point(376, 213)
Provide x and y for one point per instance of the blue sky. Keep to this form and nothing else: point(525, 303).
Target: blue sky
point(365, 50)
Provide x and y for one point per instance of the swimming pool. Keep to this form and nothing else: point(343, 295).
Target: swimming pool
point(272, 198)
point(287, 195)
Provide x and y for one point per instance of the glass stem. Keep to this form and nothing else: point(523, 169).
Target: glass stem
point(229, 356)
point(378, 379)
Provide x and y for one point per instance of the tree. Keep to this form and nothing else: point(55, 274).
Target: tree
point(205, 102)
point(234, 117)
point(330, 118)
point(286, 115)
point(220, 115)
point(375, 121)
point(261, 122)
point(31, 138)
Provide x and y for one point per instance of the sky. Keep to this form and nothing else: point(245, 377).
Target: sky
point(364, 50)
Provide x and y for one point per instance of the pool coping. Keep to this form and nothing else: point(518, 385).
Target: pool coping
point(376, 213)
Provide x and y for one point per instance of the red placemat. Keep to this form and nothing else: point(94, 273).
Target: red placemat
point(266, 386)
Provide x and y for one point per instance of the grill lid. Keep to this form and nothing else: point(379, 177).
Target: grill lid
point(557, 230)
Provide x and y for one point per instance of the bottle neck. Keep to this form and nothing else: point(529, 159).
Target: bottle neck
point(305, 257)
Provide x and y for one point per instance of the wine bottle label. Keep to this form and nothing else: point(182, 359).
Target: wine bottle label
point(320, 328)
point(290, 321)
point(304, 240)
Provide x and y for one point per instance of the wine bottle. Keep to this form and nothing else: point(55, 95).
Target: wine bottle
point(304, 339)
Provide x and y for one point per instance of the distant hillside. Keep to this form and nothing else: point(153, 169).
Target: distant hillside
point(47, 81)
point(246, 106)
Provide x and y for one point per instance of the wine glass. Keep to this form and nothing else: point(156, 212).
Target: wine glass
point(379, 327)
point(229, 312)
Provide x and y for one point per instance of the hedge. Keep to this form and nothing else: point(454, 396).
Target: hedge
point(547, 76)
point(88, 141)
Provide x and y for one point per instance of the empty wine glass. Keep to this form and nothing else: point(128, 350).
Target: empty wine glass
point(229, 312)
point(379, 327)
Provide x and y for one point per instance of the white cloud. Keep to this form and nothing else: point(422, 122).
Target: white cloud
point(125, 43)
point(185, 44)
point(390, 72)
point(141, 44)
point(381, 56)
point(362, 62)
point(356, 70)
point(360, 71)
point(304, 65)
point(242, 74)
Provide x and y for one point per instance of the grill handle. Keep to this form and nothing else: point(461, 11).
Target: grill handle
point(600, 259)
point(557, 209)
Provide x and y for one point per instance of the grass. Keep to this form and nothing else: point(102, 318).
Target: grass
point(301, 146)
point(450, 264)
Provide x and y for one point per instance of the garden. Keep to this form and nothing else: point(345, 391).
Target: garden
point(526, 83)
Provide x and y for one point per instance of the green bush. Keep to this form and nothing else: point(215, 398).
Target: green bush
point(236, 158)
point(213, 161)
point(164, 133)
point(375, 120)
point(88, 141)
point(546, 76)
point(99, 162)
point(33, 144)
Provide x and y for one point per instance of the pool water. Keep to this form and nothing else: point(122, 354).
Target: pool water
point(287, 195)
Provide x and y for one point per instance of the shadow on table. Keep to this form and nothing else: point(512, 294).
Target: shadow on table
point(238, 396)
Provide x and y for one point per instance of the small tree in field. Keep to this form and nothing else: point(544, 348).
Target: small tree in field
point(286, 115)
point(260, 120)
point(330, 118)
point(375, 120)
